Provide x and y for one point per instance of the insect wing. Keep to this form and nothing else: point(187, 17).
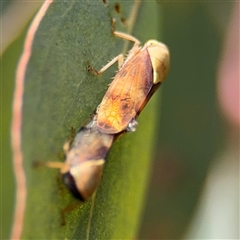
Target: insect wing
point(126, 94)
point(151, 92)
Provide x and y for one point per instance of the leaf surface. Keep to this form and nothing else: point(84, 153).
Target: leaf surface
point(60, 94)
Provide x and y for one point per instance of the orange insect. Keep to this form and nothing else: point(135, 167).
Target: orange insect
point(140, 74)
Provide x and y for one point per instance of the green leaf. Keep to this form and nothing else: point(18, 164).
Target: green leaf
point(59, 93)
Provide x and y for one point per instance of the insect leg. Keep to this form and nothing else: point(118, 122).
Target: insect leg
point(122, 35)
point(58, 165)
point(118, 58)
point(67, 144)
point(127, 37)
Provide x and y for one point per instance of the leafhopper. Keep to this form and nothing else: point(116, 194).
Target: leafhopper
point(84, 160)
point(139, 75)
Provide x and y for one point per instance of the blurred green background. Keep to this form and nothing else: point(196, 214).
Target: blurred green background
point(191, 131)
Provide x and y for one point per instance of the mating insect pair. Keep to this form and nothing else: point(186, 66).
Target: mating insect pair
point(139, 76)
